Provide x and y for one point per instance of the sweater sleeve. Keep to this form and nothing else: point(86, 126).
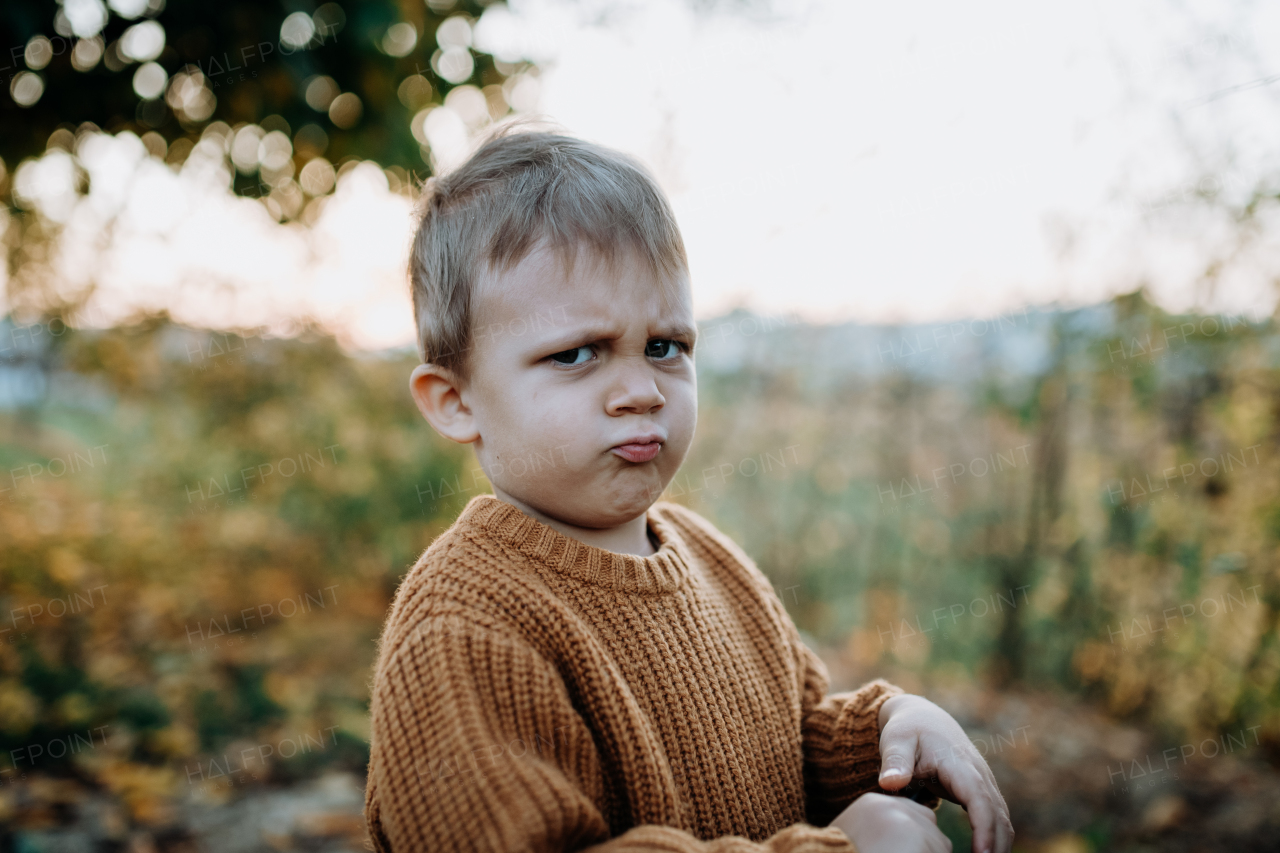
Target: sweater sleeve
point(841, 734)
point(477, 746)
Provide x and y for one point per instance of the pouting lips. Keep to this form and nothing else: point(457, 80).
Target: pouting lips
point(638, 452)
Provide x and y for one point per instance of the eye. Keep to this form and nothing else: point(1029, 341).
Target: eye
point(662, 348)
point(575, 356)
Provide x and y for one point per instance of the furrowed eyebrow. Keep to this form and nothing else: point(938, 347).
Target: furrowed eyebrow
point(678, 331)
point(590, 334)
point(577, 337)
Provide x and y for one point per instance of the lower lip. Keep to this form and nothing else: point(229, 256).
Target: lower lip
point(638, 452)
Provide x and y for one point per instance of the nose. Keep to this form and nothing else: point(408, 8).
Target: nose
point(634, 391)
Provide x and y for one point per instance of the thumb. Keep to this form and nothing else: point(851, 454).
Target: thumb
point(897, 761)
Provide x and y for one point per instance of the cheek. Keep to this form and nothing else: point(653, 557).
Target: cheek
point(682, 403)
point(685, 410)
point(538, 424)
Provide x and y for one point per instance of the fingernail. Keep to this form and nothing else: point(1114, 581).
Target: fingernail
point(893, 770)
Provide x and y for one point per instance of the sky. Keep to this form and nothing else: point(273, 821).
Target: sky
point(836, 160)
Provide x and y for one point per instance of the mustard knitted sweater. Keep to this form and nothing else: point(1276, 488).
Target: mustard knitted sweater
point(536, 693)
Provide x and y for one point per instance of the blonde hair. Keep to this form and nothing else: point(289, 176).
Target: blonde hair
point(522, 186)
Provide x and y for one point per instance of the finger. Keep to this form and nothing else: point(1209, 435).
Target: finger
point(897, 760)
point(1004, 834)
point(971, 791)
point(986, 784)
point(984, 769)
point(982, 787)
point(982, 818)
point(1003, 825)
point(963, 781)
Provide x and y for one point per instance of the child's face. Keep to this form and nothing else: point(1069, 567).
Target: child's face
point(582, 387)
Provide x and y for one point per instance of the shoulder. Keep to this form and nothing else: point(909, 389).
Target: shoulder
point(707, 541)
point(463, 562)
point(447, 562)
point(465, 583)
point(698, 531)
point(735, 574)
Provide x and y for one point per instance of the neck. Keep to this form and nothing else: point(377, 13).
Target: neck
point(631, 537)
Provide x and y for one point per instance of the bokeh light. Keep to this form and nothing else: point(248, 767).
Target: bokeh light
point(275, 150)
point(453, 64)
point(87, 53)
point(297, 30)
point(48, 184)
point(454, 32)
point(190, 96)
point(128, 9)
point(415, 91)
point(320, 92)
point(446, 134)
point(399, 39)
point(470, 105)
point(26, 88)
point(244, 148)
point(38, 53)
point(149, 80)
point(317, 177)
point(142, 42)
point(329, 20)
point(345, 110)
point(86, 18)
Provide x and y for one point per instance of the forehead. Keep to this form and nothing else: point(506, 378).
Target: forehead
point(540, 290)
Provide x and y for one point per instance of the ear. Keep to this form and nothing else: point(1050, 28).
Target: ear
point(438, 393)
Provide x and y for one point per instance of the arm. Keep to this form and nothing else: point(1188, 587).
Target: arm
point(477, 746)
point(841, 738)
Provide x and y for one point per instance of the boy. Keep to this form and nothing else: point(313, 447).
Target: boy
point(571, 664)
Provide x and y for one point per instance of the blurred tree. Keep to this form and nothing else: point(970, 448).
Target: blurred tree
point(338, 79)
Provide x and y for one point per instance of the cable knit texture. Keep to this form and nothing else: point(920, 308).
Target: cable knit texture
point(536, 693)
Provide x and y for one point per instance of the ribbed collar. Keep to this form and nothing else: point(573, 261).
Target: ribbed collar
point(663, 572)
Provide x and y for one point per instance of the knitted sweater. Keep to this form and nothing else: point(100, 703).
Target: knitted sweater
point(536, 693)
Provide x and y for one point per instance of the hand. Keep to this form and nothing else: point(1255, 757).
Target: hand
point(878, 823)
point(919, 740)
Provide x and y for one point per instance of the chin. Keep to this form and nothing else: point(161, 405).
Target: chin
point(600, 502)
point(605, 514)
point(600, 511)
point(634, 498)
